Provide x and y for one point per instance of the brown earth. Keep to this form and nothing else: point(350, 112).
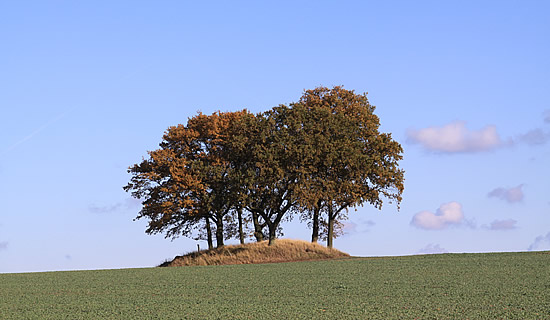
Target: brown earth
point(283, 250)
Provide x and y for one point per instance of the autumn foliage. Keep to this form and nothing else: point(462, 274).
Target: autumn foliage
point(313, 159)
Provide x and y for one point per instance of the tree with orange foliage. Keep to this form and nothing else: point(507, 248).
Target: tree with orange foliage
point(188, 180)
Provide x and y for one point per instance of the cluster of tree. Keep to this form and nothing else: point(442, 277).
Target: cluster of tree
point(315, 159)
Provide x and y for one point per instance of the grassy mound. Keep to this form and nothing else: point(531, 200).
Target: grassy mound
point(283, 250)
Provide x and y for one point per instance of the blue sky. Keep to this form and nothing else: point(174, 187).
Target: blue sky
point(86, 88)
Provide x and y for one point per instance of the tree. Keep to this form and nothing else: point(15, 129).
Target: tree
point(263, 151)
point(319, 157)
point(189, 179)
point(169, 191)
point(345, 160)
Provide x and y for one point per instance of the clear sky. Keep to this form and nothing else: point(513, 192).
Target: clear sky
point(87, 87)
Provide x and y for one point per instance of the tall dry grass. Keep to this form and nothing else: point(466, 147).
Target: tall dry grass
point(284, 250)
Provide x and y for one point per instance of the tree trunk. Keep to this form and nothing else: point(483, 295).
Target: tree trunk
point(330, 234)
point(209, 234)
point(315, 227)
point(219, 232)
point(273, 226)
point(272, 234)
point(257, 228)
point(240, 217)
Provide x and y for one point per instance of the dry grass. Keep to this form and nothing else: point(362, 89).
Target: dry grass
point(283, 250)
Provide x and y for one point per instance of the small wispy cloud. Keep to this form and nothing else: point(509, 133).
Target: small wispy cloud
point(104, 209)
point(129, 203)
point(432, 249)
point(350, 227)
point(4, 245)
point(448, 214)
point(535, 137)
point(498, 225)
point(455, 138)
point(511, 195)
point(358, 226)
point(540, 243)
point(370, 223)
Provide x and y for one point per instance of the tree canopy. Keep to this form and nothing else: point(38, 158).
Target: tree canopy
point(315, 158)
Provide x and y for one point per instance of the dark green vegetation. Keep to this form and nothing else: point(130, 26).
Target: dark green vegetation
point(448, 286)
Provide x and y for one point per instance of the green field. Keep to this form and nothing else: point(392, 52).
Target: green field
point(447, 286)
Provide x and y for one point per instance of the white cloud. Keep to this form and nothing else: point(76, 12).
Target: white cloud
point(4, 245)
point(508, 224)
point(455, 138)
point(547, 116)
point(511, 195)
point(540, 243)
point(448, 214)
point(432, 248)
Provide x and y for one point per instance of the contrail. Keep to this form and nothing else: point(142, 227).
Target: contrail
point(35, 132)
point(57, 118)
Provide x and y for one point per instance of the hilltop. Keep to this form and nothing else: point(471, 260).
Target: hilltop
point(284, 250)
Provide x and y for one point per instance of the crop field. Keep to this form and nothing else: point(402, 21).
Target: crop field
point(447, 286)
